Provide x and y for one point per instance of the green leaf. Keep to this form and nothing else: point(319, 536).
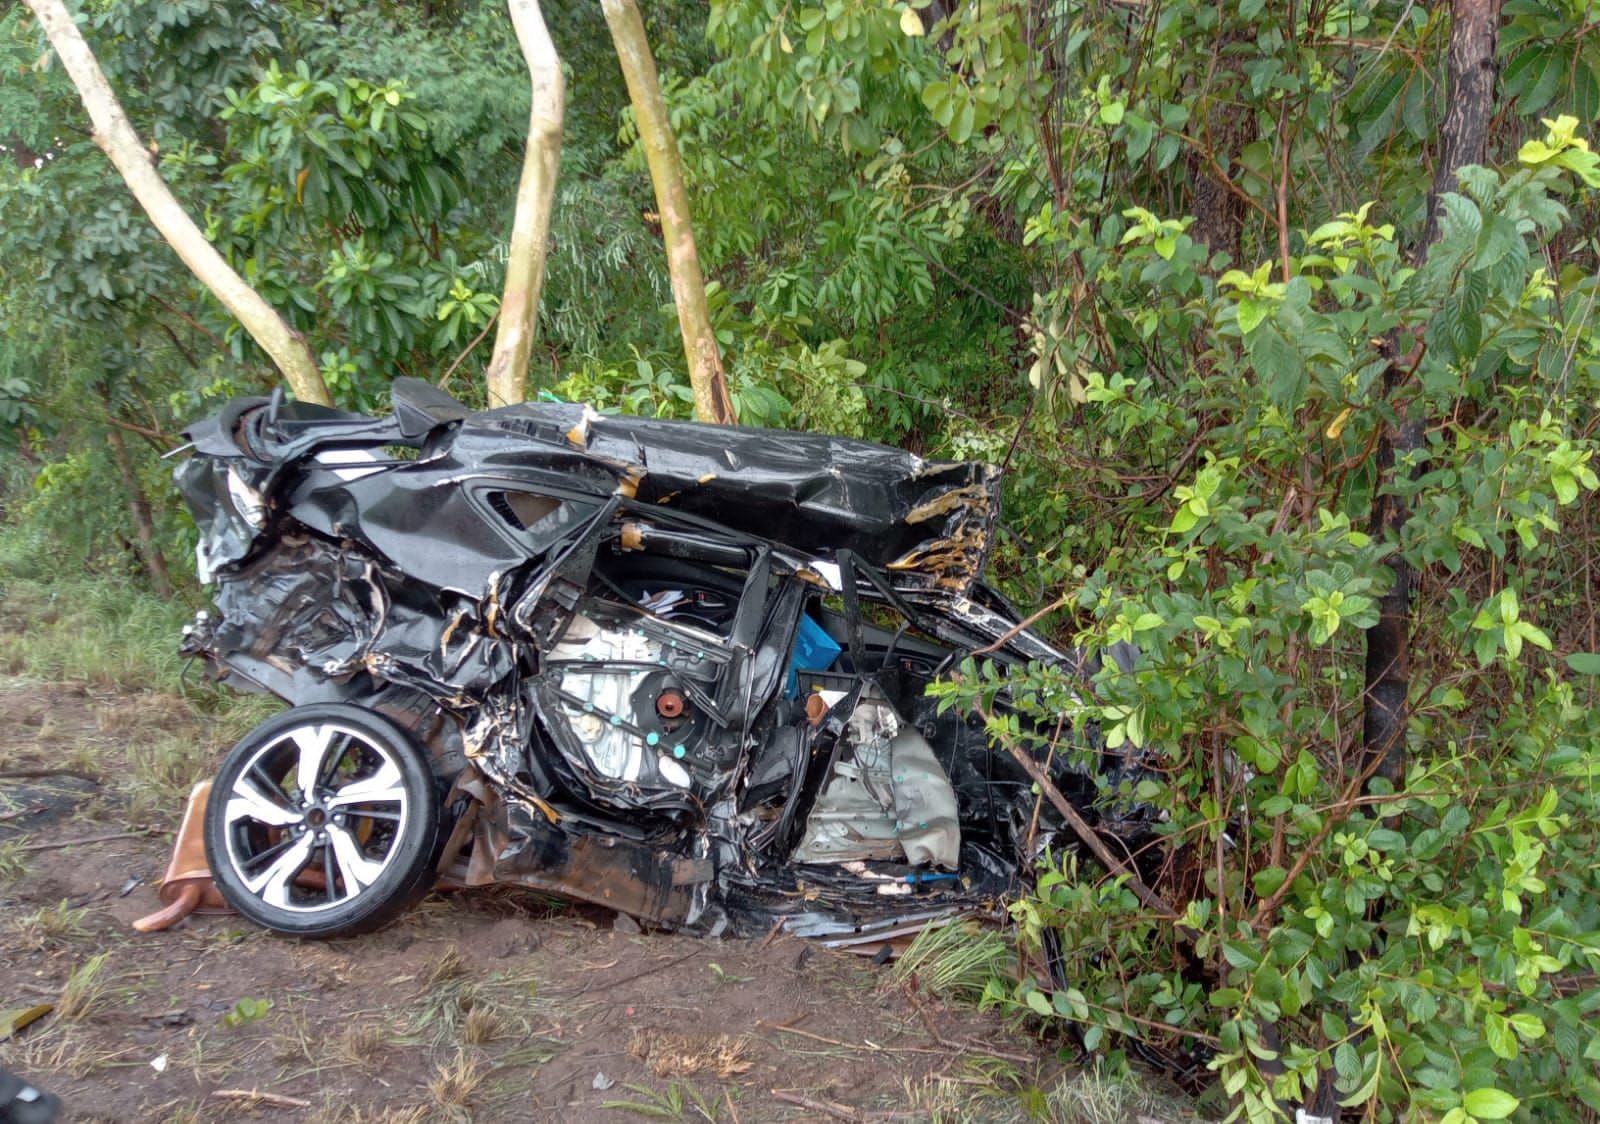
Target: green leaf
point(1497, 1033)
point(1040, 1003)
point(1527, 1025)
point(1489, 1104)
point(1251, 313)
point(1499, 238)
point(965, 118)
point(1459, 223)
point(1584, 663)
point(1278, 363)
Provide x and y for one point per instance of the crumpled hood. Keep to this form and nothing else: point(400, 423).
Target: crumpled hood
point(928, 523)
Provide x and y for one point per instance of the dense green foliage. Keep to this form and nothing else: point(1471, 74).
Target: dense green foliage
point(1167, 261)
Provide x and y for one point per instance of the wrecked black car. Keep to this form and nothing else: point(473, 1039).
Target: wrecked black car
point(675, 669)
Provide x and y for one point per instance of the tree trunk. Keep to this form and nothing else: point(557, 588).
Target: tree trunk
point(507, 377)
point(1463, 136)
point(1469, 98)
point(1226, 128)
point(711, 401)
point(116, 137)
point(144, 526)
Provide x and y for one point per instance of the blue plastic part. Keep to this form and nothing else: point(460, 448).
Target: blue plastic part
point(678, 751)
point(814, 650)
point(652, 738)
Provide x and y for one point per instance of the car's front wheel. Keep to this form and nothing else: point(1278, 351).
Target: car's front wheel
point(324, 821)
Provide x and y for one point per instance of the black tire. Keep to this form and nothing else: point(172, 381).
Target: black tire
point(346, 854)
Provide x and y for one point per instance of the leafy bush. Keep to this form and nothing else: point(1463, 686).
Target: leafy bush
point(1429, 947)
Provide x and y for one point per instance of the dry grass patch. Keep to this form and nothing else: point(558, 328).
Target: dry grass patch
point(361, 1044)
point(84, 988)
point(482, 1025)
point(457, 1082)
point(667, 1053)
point(343, 1113)
point(444, 968)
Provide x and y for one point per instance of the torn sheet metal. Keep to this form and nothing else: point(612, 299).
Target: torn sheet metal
point(886, 798)
point(672, 668)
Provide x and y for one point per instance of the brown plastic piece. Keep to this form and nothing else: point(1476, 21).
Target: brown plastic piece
point(187, 886)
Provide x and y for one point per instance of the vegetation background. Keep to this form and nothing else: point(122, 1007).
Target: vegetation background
point(1182, 267)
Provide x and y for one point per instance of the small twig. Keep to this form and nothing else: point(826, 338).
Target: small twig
point(964, 1047)
point(733, 1112)
point(20, 812)
point(806, 1034)
point(870, 1046)
point(34, 774)
point(827, 1108)
point(444, 379)
point(56, 846)
point(636, 975)
point(256, 1096)
point(1059, 603)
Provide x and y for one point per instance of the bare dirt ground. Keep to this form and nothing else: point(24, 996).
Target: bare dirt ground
point(480, 1006)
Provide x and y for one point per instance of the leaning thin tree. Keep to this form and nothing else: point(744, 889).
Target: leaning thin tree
point(507, 377)
point(711, 400)
point(117, 139)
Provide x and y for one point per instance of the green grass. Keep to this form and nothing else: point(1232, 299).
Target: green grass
point(98, 631)
point(109, 636)
point(957, 960)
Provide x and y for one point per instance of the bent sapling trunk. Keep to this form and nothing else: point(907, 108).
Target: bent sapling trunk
point(507, 377)
point(711, 400)
point(115, 136)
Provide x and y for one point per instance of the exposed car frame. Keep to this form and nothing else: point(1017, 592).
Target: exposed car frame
point(672, 668)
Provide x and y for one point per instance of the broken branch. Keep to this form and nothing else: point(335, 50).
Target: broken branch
point(60, 843)
point(1080, 828)
point(256, 1096)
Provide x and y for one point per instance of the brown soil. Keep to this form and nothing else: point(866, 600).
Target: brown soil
point(483, 1006)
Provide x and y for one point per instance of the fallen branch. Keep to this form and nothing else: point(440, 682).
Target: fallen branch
point(826, 1041)
point(57, 845)
point(1027, 622)
point(964, 1047)
point(256, 1096)
point(588, 989)
point(1081, 828)
point(827, 1108)
point(35, 774)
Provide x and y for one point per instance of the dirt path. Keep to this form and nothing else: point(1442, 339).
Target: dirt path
point(480, 1006)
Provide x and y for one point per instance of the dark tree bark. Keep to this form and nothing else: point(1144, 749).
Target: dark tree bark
point(1226, 128)
point(1469, 100)
point(1463, 137)
point(144, 526)
point(1219, 214)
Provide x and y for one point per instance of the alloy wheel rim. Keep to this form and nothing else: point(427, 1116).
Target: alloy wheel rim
point(315, 817)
